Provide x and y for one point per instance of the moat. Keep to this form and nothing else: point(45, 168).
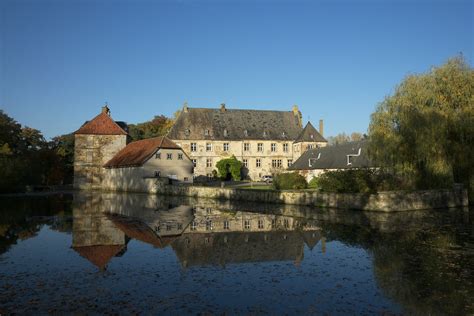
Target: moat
point(146, 254)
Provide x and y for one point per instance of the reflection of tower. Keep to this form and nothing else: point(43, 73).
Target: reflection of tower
point(94, 236)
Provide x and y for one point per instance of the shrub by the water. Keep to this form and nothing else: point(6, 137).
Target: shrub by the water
point(289, 181)
point(313, 183)
point(356, 181)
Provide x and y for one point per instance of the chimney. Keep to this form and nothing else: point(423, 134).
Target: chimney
point(298, 115)
point(321, 127)
point(106, 110)
point(185, 107)
point(222, 107)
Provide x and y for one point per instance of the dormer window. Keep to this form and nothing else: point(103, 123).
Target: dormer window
point(246, 133)
point(264, 133)
point(226, 133)
point(312, 136)
point(187, 132)
point(283, 134)
point(206, 132)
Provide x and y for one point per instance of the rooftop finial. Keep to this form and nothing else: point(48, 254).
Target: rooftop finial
point(185, 107)
point(222, 107)
point(105, 108)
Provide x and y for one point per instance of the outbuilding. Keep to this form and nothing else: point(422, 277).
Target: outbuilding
point(313, 162)
point(157, 157)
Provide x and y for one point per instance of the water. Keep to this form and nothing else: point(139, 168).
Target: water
point(117, 253)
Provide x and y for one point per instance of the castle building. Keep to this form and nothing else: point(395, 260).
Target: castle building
point(265, 141)
point(104, 158)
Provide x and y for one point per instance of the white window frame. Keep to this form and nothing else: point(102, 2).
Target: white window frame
point(258, 163)
point(260, 147)
point(193, 147)
point(246, 146)
point(225, 147)
point(273, 147)
point(208, 146)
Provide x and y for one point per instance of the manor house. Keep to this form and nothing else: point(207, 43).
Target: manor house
point(265, 141)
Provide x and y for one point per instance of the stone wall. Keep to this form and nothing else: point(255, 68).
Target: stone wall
point(206, 157)
point(383, 201)
point(91, 152)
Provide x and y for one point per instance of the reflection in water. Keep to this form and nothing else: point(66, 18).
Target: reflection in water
point(199, 235)
point(412, 262)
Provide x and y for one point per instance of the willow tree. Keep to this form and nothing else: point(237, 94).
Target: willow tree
point(426, 128)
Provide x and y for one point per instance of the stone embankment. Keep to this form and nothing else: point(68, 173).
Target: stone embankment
point(391, 201)
point(383, 201)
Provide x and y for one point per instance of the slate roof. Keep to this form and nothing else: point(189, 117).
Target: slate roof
point(334, 157)
point(103, 124)
point(137, 153)
point(309, 134)
point(233, 124)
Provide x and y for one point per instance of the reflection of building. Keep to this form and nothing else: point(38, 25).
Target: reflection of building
point(219, 237)
point(103, 224)
point(94, 236)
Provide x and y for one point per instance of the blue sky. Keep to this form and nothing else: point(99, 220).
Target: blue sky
point(61, 60)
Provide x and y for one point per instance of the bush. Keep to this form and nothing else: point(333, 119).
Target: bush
point(313, 183)
point(229, 168)
point(289, 181)
point(357, 181)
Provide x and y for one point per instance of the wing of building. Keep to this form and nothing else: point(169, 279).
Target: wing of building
point(265, 141)
point(104, 158)
point(352, 155)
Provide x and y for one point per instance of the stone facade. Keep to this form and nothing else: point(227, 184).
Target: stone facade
point(104, 158)
point(267, 142)
point(91, 152)
point(142, 178)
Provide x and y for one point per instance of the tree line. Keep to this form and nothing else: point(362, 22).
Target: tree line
point(27, 158)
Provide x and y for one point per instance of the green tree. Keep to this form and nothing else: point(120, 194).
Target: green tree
point(289, 181)
point(425, 130)
point(158, 126)
point(343, 138)
point(229, 168)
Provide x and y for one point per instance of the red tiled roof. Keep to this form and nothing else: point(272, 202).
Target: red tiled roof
point(137, 153)
point(99, 255)
point(102, 124)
